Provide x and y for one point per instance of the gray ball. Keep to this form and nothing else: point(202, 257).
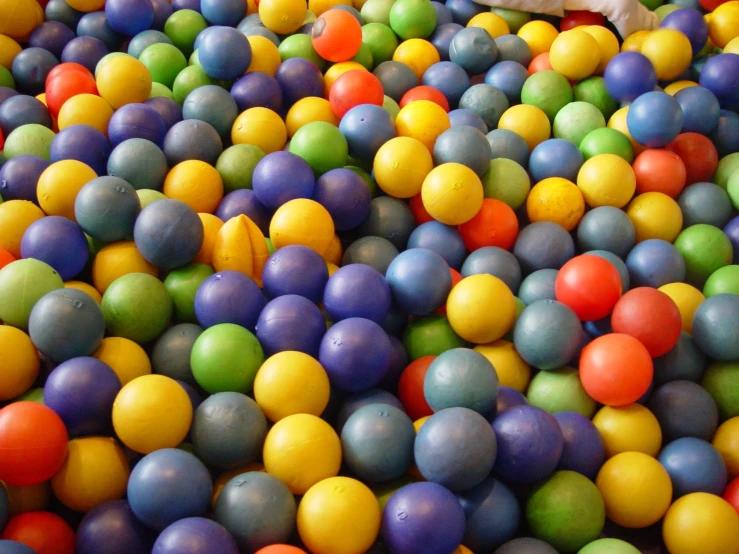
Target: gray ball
point(464, 145)
point(684, 409)
point(538, 286)
point(716, 327)
point(171, 353)
point(543, 245)
point(705, 203)
point(526, 545)
point(376, 252)
point(487, 101)
point(495, 261)
point(606, 228)
point(391, 219)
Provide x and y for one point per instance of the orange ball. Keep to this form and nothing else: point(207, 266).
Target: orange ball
point(280, 549)
point(336, 35)
point(589, 285)
point(424, 92)
point(495, 224)
point(419, 210)
point(540, 63)
point(354, 88)
point(659, 171)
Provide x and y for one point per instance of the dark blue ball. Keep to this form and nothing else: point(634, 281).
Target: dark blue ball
point(442, 239)
point(538, 286)
point(474, 50)
point(655, 119)
point(136, 121)
point(584, 451)
point(555, 158)
point(52, 36)
point(86, 51)
point(442, 37)
point(684, 409)
point(629, 75)
point(366, 128)
point(726, 134)
point(689, 22)
point(193, 5)
point(192, 140)
point(694, 465)
point(280, 177)
point(700, 108)
point(547, 334)
point(391, 219)
point(59, 242)
point(20, 110)
point(508, 76)
point(129, 17)
point(162, 11)
point(213, 42)
point(106, 208)
point(508, 145)
point(449, 78)
point(507, 398)
point(732, 231)
point(82, 143)
point(244, 201)
point(229, 297)
point(96, 25)
point(297, 270)
point(543, 245)
point(299, 78)
point(654, 263)
point(223, 12)
point(464, 10)
point(7, 92)
point(140, 163)
point(396, 78)
point(214, 105)
point(376, 252)
point(59, 10)
point(345, 196)
point(195, 535)
point(606, 228)
point(170, 110)
point(257, 90)
point(684, 362)
point(718, 76)
point(290, 322)
point(493, 515)
point(419, 280)
point(112, 526)
point(463, 145)
point(463, 116)
point(30, 69)
point(357, 290)
point(494, 261)
point(19, 176)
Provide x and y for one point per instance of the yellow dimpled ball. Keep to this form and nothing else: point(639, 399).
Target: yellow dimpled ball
point(607, 44)
point(302, 221)
point(491, 22)
point(15, 217)
point(669, 51)
point(418, 54)
point(20, 365)
point(422, 120)
point(732, 47)
point(726, 441)
point(529, 122)
point(556, 200)
point(606, 180)
point(116, 260)
point(631, 428)
point(687, 298)
point(59, 184)
point(240, 246)
point(126, 358)
point(123, 80)
point(307, 110)
point(211, 226)
point(539, 35)
point(481, 308)
point(655, 216)
point(512, 369)
point(401, 165)
point(575, 54)
point(265, 56)
point(85, 109)
point(452, 193)
point(701, 523)
point(282, 16)
point(260, 127)
point(196, 183)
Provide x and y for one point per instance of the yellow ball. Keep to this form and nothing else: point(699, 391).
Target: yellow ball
point(87, 5)
point(418, 54)
point(95, 471)
point(15, 217)
point(86, 109)
point(302, 221)
point(633, 42)
point(86, 288)
point(211, 226)
point(307, 110)
point(240, 246)
point(723, 26)
point(59, 184)
point(419, 423)
point(669, 51)
point(126, 358)
point(631, 428)
point(336, 71)
point(732, 47)
point(452, 193)
point(152, 412)
point(123, 80)
point(687, 298)
point(636, 489)
point(116, 260)
point(251, 7)
point(726, 441)
point(9, 49)
point(606, 180)
point(320, 6)
point(20, 363)
point(301, 450)
point(34, 498)
point(701, 523)
point(618, 122)
point(401, 165)
point(265, 56)
point(481, 308)
point(511, 368)
point(539, 35)
point(339, 516)
point(196, 183)
point(529, 122)
point(19, 17)
point(282, 16)
point(557, 200)
point(575, 54)
point(335, 252)
point(607, 44)
point(492, 23)
point(260, 127)
point(655, 216)
point(673, 88)
point(332, 268)
point(290, 383)
point(422, 120)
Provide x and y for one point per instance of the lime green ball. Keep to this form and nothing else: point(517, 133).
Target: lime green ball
point(567, 511)
point(560, 391)
point(732, 187)
point(412, 18)
point(236, 166)
point(367, 178)
point(182, 284)
point(6, 78)
point(653, 4)
point(576, 120)
point(188, 80)
point(723, 280)
point(300, 46)
point(22, 284)
point(94, 245)
point(721, 380)
point(607, 141)
point(593, 91)
point(149, 196)
point(383, 491)
point(29, 139)
point(158, 90)
point(705, 249)
point(665, 10)
point(225, 358)
point(364, 57)
point(194, 59)
point(381, 41)
point(183, 27)
point(164, 62)
point(548, 91)
point(609, 546)
point(377, 11)
point(514, 18)
point(430, 335)
point(321, 145)
point(726, 168)
point(391, 107)
point(506, 181)
point(137, 306)
point(270, 246)
point(32, 395)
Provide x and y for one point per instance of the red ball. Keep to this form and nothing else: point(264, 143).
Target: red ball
point(66, 85)
point(45, 532)
point(650, 316)
point(699, 155)
point(354, 88)
point(424, 92)
point(5, 256)
point(336, 36)
point(495, 224)
point(456, 278)
point(2, 141)
point(710, 5)
point(589, 285)
point(659, 171)
point(419, 210)
point(63, 68)
point(33, 443)
point(576, 18)
point(616, 369)
point(540, 63)
point(731, 494)
point(410, 388)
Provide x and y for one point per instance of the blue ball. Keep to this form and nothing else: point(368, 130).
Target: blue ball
point(684, 409)
point(464, 145)
point(20, 110)
point(598, 328)
point(170, 110)
point(584, 451)
point(629, 75)
point(82, 143)
point(106, 208)
point(391, 219)
point(168, 233)
point(52, 36)
point(59, 10)
point(7, 92)
point(169, 485)
point(547, 334)
point(543, 245)
point(513, 48)
point(140, 163)
point(538, 286)
point(214, 105)
point(694, 465)
point(701, 109)
point(376, 252)
point(443, 15)
point(136, 121)
point(555, 158)
point(162, 11)
point(726, 134)
point(60, 311)
point(493, 515)
point(290, 322)
point(295, 269)
point(719, 76)
point(19, 176)
point(654, 263)
point(655, 119)
point(684, 362)
point(252, 20)
point(257, 90)
point(464, 10)
point(95, 25)
point(129, 17)
point(355, 353)
point(358, 400)
point(192, 140)
point(30, 69)
point(345, 196)
point(110, 527)
point(442, 37)
point(691, 23)
point(399, 360)
point(377, 443)
point(419, 280)
point(170, 355)
point(357, 290)
point(195, 535)
point(59, 242)
point(144, 39)
point(508, 76)
point(508, 145)
point(280, 177)
point(486, 101)
point(606, 228)
point(224, 52)
point(299, 78)
point(461, 378)
point(244, 202)
point(367, 127)
point(229, 297)
point(86, 51)
point(442, 239)
point(705, 203)
point(396, 78)
point(618, 263)
point(474, 50)
point(463, 116)
point(507, 398)
point(494, 261)
point(455, 448)
point(716, 324)
point(448, 78)
point(13, 547)
point(228, 430)
point(223, 12)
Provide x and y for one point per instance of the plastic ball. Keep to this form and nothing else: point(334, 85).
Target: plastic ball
point(22, 364)
point(575, 54)
point(630, 428)
point(465, 116)
point(665, 119)
point(444, 390)
point(401, 165)
point(469, 308)
point(543, 245)
point(123, 80)
point(367, 128)
point(659, 171)
point(713, 381)
point(423, 120)
point(29, 139)
point(669, 51)
point(577, 283)
point(725, 441)
point(290, 322)
point(412, 19)
point(714, 79)
point(442, 239)
point(443, 83)
point(694, 466)
point(336, 35)
point(461, 190)
point(19, 110)
point(81, 143)
point(530, 122)
point(473, 49)
point(715, 252)
point(42, 532)
point(701, 521)
point(112, 525)
point(655, 216)
point(629, 75)
point(712, 322)
point(509, 146)
point(333, 151)
point(705, 203)
point(340, 298)
point(414, 295)
point(584, 450)
point(187, 536)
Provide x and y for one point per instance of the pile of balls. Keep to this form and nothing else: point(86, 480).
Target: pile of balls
point(390, 276)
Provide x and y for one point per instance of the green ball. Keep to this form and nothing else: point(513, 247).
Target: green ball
point(381, 41)
point(607, 141)
point(721, 380)
point(188, 80)
point(593, 91)
point(137, 306)
point(705, 249)
point(514, 18)
point(321, 145)
point(6, 78)
point(732, 187)
point(430, 335)
point(412, 18)
point(149, 196)
point(194, 59)
point(609, 546)
point(506, 181)
point(225, 358)
point(653, 4)
point(300, 46)
point(391, 107)
point(726, 168)
point(22, 284)
point(560, 391)
point(182, 284)
point(377, 11)
point(665, 10)
point(236, 166)
point(270, 247)
point(547, 90)
point(29, 139)
point(567, 511)
point(383, 491)
point(94, 245)
point(576, 120)
point(32, 395)
point(164, 62)
point(183, 27)
point(364, 57)
point(158, 90)
point(723, 280)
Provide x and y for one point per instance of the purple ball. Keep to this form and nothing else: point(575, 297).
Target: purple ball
point(112, 528)
point(228, 297)
point(95, 24)
point(59, 242)
point(129, 17)
point(170, 110)
point(299, 78)
point(82, 143)
point(345, 196)
point(244, 201)
point(689, 22)
point(732, 231)
point(7, 92)
point(399, 360)
point(290, 322)
point(162, 11)
point(19, 109)
point(464, 116)
point(295, 269)
point(629, 75)
point(19, 175)
point(584, 451)
point(442, 37)
point(719, 76)
point(195, 535)
point(51, 35)
point(257, 90)
point(357, 290)
point(86, 51)
point(193, 5)
point(366, 128)
point(280, 177)
point(508, 398)
point(136, 121)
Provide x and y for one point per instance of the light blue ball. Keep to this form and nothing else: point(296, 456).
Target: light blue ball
point(463, 145)
point(493, 515)
point(654, 119)
point(508, 76)
point(555, 158)
point(442, 239)
point(464, 116)
point(548, 335)
point(494, 261)
point(606, 228)
point(461, 378)
point(654, 263)
point(538, 286)
point(694, 465)
point(486, 101)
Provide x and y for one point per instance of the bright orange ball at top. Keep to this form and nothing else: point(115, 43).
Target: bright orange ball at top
point(336, 36)
point(589, 285)
point(424, 92)
point(280, 549)
point(66, 85)
point(354, 88)
point(540, 63)
point(495, 224)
